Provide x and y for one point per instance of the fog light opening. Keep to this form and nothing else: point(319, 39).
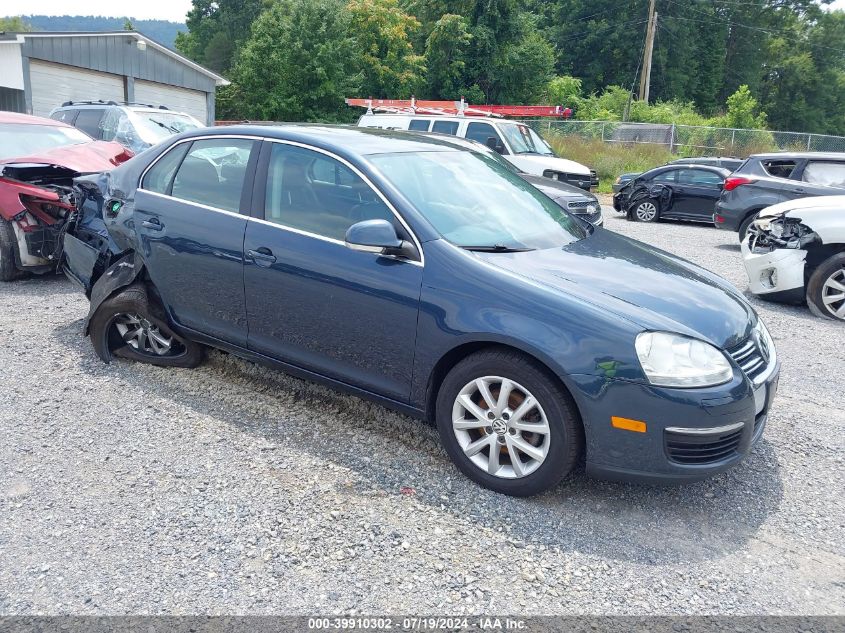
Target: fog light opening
point(769, 277)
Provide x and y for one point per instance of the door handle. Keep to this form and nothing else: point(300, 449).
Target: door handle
point(153, 224)
point(262, 256)
point(799, 190)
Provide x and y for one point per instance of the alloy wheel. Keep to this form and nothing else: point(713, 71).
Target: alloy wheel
point(501, 427)
point(646, 211)
point(833, 294)
point(143, 335)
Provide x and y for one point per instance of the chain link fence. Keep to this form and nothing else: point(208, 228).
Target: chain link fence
point(690, 140)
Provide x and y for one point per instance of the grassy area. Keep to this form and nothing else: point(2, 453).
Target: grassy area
point(610, 159)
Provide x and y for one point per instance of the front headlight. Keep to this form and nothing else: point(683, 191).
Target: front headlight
point(673, 360)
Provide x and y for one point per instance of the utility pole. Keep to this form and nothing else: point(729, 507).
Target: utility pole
point(645, 75)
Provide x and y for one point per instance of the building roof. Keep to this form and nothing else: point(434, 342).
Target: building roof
point(20, 37)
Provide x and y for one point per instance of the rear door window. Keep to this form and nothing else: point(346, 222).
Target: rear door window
point(419, 125)
point(699, 177)
point(89, 122)
point(779, 168)
point(828, 174)
point(445, 127)
point(668, 176)
point(65, 116)
point(213, 173)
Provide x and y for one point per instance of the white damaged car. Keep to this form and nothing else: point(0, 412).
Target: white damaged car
point(795, 252)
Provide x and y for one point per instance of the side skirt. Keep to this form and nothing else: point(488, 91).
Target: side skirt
point(299, 372)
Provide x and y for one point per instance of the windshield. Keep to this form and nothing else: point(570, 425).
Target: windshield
point(21, 139)
point(524, 140)
point(157, 125)
point(476, 203)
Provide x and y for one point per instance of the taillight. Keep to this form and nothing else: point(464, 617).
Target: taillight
point(732, 182)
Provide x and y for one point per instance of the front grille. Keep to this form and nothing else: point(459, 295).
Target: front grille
point(750, 358)
point(702, 449)
point(579, 204)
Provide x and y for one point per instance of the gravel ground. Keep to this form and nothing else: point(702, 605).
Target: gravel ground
point(232, 489)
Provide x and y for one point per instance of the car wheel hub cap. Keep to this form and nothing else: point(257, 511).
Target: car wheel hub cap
point(833, 294)
point(501, 427)
point(143, 335)
point(646, 211)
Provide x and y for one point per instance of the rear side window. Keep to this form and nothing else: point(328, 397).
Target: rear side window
point(419, 125)
point(160, 176)
point(65, 116)
point(828, 174)
point(446, 127)
point(779, 168)
point(213, 173)
point(89, 122)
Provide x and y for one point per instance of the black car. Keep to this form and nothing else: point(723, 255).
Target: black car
point(713, 161)
point(767, 179)
point(676, 192)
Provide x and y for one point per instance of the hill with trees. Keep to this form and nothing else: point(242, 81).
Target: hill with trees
point(161, 31)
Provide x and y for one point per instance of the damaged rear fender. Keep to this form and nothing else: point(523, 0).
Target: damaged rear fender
point(119, 275)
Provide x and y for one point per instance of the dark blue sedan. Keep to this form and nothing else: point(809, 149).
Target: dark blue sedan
point(432, 279)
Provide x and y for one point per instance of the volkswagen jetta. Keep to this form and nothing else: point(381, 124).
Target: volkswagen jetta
point(432, 279)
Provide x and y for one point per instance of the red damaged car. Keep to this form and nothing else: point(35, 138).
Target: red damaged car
point(39, 158)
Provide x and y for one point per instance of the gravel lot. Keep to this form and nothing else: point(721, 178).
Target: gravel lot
point(232, 489)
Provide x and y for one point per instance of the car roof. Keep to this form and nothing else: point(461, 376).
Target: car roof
point(444, 117)
point(341, 139)
point(816, 155)
point(27, 119)
point(679, 166)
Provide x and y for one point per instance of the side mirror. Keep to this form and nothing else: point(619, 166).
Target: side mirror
point(378, 236)
point(494, 144)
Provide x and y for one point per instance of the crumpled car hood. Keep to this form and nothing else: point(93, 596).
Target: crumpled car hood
point(83, 158)
point(649, 287)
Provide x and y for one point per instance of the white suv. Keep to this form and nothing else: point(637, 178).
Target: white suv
point(517, 142)
point(136, 126)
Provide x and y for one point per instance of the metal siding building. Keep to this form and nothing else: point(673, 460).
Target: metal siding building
point(39, 71)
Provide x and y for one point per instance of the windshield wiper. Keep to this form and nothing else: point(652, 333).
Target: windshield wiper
point(497, 248)
point(169, 128)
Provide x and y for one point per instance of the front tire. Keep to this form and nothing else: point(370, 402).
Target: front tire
point(507, 424)
point(8, 268)
point(646, 210)
point(130, 325)
point(826, 289)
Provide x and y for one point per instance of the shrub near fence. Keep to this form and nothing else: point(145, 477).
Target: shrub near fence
point(689, 140)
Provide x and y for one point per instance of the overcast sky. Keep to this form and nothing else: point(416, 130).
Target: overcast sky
point(173, 10)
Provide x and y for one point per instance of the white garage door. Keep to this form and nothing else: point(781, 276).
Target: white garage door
point(53, 84)
point(179, 99)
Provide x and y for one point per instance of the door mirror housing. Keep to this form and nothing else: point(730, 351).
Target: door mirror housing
point(379, 237)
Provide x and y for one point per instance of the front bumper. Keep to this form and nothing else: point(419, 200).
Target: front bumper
point(776, 275)
point(691, 434)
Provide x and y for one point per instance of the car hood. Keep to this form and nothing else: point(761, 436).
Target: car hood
point(801, 204)
point(83, 158)
point(652, 288)
point(537, 164)
point(556, 189)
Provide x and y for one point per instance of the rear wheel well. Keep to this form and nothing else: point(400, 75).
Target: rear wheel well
point(456, 355)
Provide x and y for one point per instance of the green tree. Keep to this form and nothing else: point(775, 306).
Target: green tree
point(127, 25)
point(445, 53)
point(563, 90)
point(298, 65)
point(217, 29)
point(522, 70)
point(14, 24)
point(744, 111)
point(382, 32)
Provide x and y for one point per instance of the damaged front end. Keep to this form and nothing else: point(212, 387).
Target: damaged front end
point(37, 201)
point(775, 257)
